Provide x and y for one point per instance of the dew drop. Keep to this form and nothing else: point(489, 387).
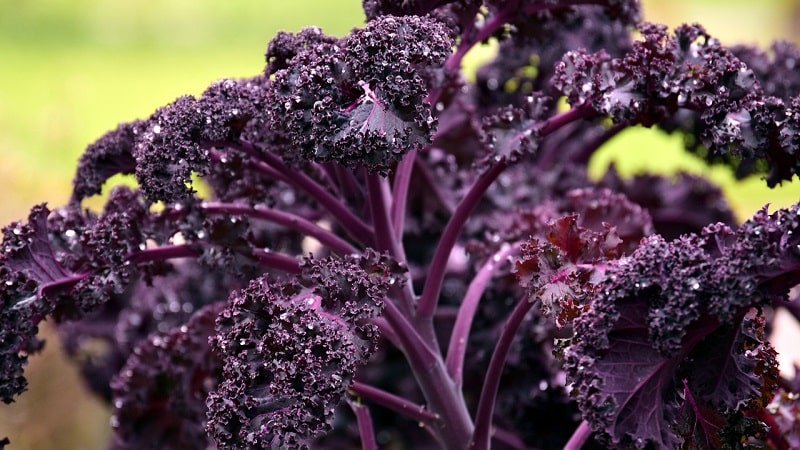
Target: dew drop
point(135, 319)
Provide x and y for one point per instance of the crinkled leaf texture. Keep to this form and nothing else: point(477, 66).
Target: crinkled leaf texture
point(359, 101)
point(689, 309)
point(688, 81)
point(290, 349)
point(63, 264)
point(159, 394)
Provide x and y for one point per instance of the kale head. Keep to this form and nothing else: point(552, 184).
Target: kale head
point(360, 248)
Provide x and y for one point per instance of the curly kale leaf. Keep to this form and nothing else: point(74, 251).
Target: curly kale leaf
point(159, 395)
point(359, 101)
point(64, 264)
point(291, 348)
point(689, 309)
point(688, 81)
point(110, 155)
point(176, 139)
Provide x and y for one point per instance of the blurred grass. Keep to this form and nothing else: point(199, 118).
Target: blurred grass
point(72, 69)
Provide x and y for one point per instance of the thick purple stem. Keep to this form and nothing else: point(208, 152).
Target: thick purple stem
point(385, 237)
point(491, 384)
point(354, 226)
point(400, 405)
point(386, 331)
point(274, 260)
point(453, 62)
point(297, 223)
point(433, 285)
point(365, 428)
point(432, 187)
point(554, 123)
point(349, 186)
point(458, 339)
point(164, 253)
point(579, 437)
point(278, 261)
point(402, 181)
point(438, 267)
point(454, 427)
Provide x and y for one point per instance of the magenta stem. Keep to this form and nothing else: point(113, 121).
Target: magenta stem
point(381, 222)
point(402, 182)
point(353, 225)
point(579, 437)
point(554, 123)
point(491, 384)
point(165, 252)
point(278, 261)
point(438, 267)
point(433, 187)
point(433, 285)
point(454, 427)
point(385, 237)
point(365, 428)
point(453, 62)
point(288, 220)
point(400, 405)
point(456, 350)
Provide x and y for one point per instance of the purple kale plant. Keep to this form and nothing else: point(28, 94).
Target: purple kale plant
point(382, 254)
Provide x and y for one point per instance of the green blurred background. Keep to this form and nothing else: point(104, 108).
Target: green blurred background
point(72, 69)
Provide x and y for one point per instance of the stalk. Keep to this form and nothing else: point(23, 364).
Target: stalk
point(438, 267)
point(365, 428)
point(400, 405)
point(292, 221)
point(458, 338)
point(491, 384)
point(353, 225)
point(579, 437)
point(454, 427)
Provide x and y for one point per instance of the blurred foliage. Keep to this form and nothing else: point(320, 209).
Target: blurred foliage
point(72, 69)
